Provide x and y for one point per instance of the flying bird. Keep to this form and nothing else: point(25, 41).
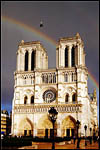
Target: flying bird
point(41, 24)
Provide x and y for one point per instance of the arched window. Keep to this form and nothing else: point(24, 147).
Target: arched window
point(66, 57)
point(54, 78)
point(74, 98)
point(25, 100)
point(66, 98)
point(26, 61)
point(43, 78)
point(72, 76)
point(66, 77)
point(32, 60)
point(32, 100)
point(73, 56)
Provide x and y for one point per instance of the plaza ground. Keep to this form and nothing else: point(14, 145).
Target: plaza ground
point(60, 145)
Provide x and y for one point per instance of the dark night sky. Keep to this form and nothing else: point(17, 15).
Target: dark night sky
point(61, 19)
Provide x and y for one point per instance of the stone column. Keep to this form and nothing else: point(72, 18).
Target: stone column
point(69, 56)
point(18, 61)
point(62, 57)
point(59, 129)
point(46, 62)
point(36, 60)
point(57, 58)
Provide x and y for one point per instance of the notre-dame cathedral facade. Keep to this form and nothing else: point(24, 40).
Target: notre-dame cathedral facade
point(65, 88)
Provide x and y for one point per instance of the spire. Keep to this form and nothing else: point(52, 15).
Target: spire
point(22, 41)
point(94, 93)
point(78, 36)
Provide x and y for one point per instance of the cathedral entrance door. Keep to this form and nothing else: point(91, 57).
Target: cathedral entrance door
point(51, 133)
point(25, 132)
point(68, 132)
point(72, 131)
point(46, 133)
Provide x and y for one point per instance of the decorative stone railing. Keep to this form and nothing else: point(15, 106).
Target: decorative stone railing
point(44, 108)
point(49, 77)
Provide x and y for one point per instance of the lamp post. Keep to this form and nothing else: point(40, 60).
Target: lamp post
point(90, 136)
point(77, 125)
point(90, 131)
point(53, 116)
point(85, 127)
point(94, 133)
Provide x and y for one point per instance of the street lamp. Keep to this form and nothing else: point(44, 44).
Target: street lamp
point(85, 127)
point(77, 125)
point(90, 136)
point(53, 116)
point(90, 131)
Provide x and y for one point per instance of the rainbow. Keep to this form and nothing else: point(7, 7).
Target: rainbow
point(44, 37)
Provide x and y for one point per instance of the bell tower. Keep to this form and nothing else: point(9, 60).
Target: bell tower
point(70, 63)
point(70, 52)
point(31, 56)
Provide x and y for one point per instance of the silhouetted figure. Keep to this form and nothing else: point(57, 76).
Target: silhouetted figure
point(78, 142)
point(98, 142)
point(74, 139)
point(90, 140)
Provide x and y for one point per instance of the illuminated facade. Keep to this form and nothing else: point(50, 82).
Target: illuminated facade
point(38, 88)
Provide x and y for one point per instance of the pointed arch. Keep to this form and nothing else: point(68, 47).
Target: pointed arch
point(33, 60)
point(25, 127)
point(32, 99)
point(26, 61)
point(73, 56)
point(25, 99)
point(68, 126)
point(67, 98)
point(66, 57)
point(74, 98)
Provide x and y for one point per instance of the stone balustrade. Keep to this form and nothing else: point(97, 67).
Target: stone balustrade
point(44, 108)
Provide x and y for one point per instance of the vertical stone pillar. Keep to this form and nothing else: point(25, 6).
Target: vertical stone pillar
point(80, 55)
point(29, 61)
point(62, 57)
point(70, 99)
point(69, 56)
point(18, 61)
point(37, 59)
point(59, 129)
point(57, 58)
point(46, 62)
point(78, 46)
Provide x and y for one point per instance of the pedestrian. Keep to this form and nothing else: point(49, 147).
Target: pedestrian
point(90, 140)
point(78, 142)
point(74, 139)
point(98, 142)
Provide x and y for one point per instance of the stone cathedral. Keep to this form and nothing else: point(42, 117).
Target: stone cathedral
point(65, 88)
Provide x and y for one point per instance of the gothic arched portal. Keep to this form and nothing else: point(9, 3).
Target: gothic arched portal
point(25, 127)
point(68, 126)
point(45, 127)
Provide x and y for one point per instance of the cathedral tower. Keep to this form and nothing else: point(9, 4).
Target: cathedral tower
point(65, 87)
